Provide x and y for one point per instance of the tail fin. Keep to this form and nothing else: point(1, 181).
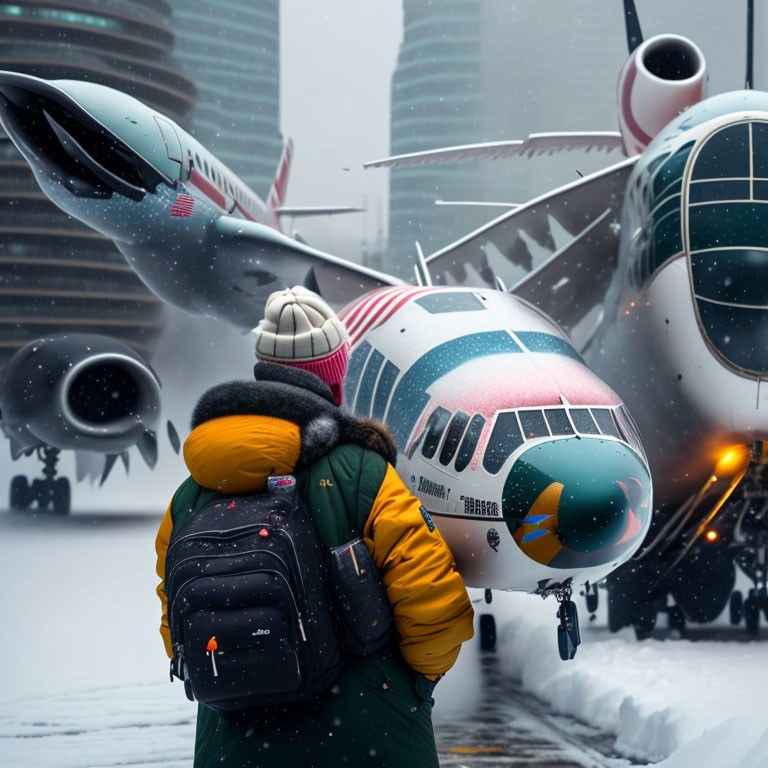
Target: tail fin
point(280, 184)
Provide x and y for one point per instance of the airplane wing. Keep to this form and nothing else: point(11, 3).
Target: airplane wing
point(316, 210)
point(535, 144)
point(572, 233)
point(270, 253)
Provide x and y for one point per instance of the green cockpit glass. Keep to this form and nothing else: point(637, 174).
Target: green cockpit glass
point(577, 502)
point(728, 243)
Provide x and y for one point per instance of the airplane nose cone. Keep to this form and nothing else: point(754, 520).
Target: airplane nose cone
point(577, 502)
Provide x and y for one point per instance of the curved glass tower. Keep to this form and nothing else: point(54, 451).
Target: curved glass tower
point(436, 102)
point(56, 275)
point(231, 49)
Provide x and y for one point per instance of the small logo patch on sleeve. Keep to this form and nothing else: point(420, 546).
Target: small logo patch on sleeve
point(427, 519)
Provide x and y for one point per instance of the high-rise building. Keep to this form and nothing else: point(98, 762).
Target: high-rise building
point(231, 49)
point(56, 275)
point(437, 101)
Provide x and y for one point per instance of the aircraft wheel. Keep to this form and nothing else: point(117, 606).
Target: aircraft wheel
point(677, 620)
point(644, 622)
point(752, 615)
point(19, 496)
point(60, 496)
point(736, 607)
point(487, 632)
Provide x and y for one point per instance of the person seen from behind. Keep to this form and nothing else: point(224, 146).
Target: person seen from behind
point(377, 712)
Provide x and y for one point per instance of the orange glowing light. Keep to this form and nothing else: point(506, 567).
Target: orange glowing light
point(711, 535)
point(733, 460)
point(631, 303)
point(626, 311)
point(212, 644)
point(647, 303)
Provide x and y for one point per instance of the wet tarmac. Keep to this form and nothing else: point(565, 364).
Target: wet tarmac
point(511, 728)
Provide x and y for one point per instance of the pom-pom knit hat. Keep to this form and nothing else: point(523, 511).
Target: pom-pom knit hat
point(299, 329)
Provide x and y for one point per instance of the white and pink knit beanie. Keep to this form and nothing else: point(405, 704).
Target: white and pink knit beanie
point(301, 330)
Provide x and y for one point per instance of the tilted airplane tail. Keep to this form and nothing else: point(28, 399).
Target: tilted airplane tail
point(280, 184)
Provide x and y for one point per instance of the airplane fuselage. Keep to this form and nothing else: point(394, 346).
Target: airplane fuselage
point(684, 337)
point(527, 462)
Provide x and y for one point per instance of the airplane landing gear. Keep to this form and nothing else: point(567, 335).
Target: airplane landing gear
point(487, 627)
point(568, 634)
point(48, 492)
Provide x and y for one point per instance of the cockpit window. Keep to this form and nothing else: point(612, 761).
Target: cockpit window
point(668, 179)
point(469, 443)
point(605, 422)
point(533, 424)
point(434, 429)
point(450, 301)
point(452, 437)
point(583, 421)
point(558, 421)
point(505, 439)
point(728, 242)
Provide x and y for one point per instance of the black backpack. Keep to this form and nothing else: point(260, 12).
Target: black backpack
point(249, 604)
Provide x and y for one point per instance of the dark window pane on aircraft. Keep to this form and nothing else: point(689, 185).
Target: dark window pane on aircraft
point(671, 205)
point(383, 389)
point(667, 239)
point(760, 190)
point(605, 422)
point(737, 277)
point(760, 149)
point(709, 191)
point(455, 301)
point(357, 360)
point(726, 153)
point(505, 438)
point(583, 421)
point(367, 382)
point(739, 334)
point(669, 178)
point(435, 428)
point(468, 445)
point(728, 224)
point(455, 431)
point(558, 422)
point(205, 166)
point(533, 424)
point(198, 164)
point(535, 341)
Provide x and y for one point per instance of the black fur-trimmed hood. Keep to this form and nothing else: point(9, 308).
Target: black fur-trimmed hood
point(302, 398)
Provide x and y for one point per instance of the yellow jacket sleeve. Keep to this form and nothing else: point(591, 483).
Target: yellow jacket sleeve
point(432, 612)
point(161, 547)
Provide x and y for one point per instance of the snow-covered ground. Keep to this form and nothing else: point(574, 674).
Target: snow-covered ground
point(84, 679)
point(687, 704)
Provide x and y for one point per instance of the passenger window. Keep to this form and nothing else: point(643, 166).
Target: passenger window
point(583, 421)
point(205, 166)
point(505, 439)
point(436, 425)
point(605, 422)
point(468, 445)
point(533, 424)
point(198, 164)
point(558, 422)
point(455, 431)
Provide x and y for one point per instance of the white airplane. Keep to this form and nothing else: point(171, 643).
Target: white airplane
point(197, 236)
point(662, 282)
point(528, 463)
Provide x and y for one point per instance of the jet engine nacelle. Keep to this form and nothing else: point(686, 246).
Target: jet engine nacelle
point(662, 77)
point(79, 391)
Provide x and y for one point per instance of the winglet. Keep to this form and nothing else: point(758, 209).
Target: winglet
point(280, 184)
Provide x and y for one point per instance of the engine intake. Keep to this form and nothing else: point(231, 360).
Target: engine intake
point(662, 77)
point(79, 391)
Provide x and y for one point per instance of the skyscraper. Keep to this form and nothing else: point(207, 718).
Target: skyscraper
point(231, 49)
point(437, 101)
point(55, 274)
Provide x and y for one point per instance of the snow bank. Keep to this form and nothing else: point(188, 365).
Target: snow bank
point(687, 704)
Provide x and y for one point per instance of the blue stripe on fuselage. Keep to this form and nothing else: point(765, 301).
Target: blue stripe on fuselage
point(411, 397)
point(535, 341)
